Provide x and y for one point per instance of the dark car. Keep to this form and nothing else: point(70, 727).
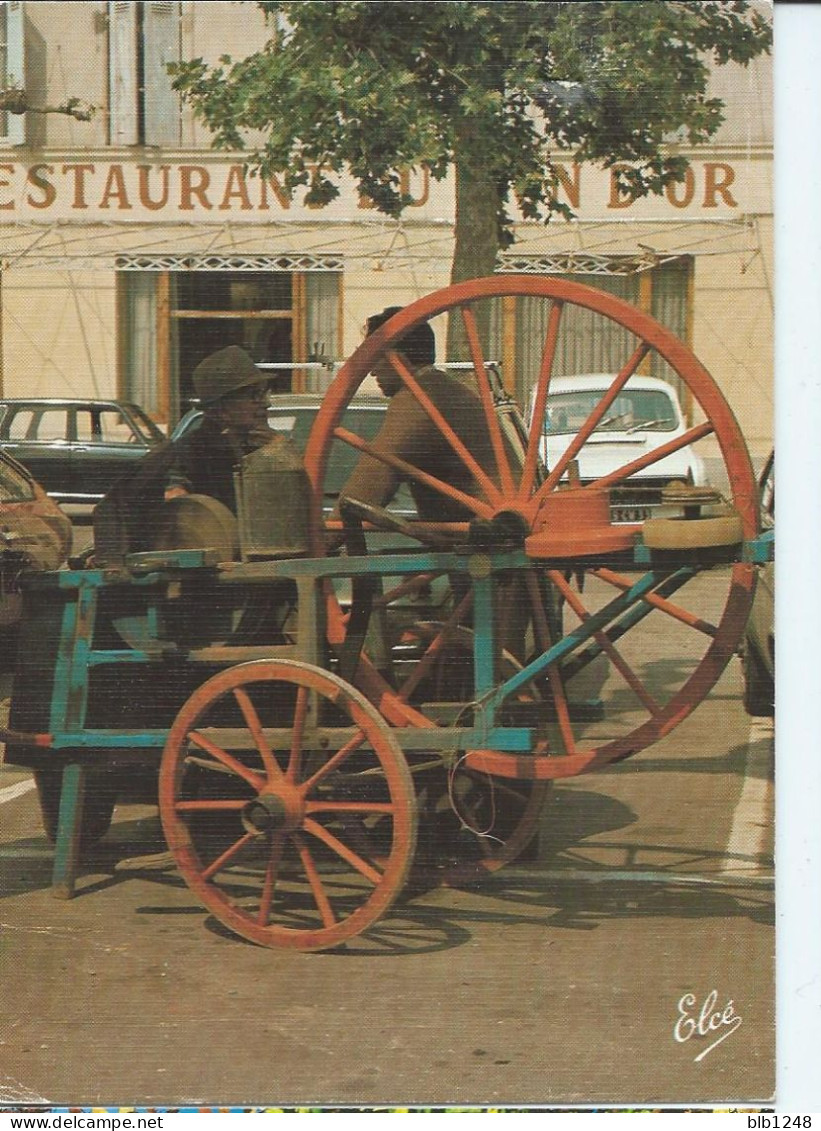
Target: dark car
point(34, 535)
point(76, 448)
point(758, 647)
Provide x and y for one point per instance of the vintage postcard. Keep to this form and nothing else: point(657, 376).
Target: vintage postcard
point(387, 549)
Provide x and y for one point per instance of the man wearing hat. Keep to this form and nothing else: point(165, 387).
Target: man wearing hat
point(233, 393)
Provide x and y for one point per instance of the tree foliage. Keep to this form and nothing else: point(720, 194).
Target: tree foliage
point(494, 90)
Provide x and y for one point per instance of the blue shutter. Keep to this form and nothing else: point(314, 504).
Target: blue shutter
point(122, 64)
point(161, 44)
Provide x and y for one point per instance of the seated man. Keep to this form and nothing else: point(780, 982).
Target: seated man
point(234, 397)
point(233, 393)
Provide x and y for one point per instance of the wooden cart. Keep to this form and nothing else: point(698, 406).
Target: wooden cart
point(302, 741)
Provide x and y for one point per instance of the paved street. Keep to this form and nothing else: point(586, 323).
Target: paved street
point(561, 981)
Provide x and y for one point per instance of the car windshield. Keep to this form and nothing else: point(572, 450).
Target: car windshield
point(145, 426)
point(632, 411)
point(297, 421)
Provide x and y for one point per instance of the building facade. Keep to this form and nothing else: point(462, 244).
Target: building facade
point(130, 248)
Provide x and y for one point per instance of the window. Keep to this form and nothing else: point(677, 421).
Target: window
point(12, 69)
point(588, 342)
point(287, 318)
point(43, 425)
point(103, 426)
point(144, 38)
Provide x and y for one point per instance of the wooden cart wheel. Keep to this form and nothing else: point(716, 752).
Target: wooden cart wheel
point(663, 631)
point(497, 818)
point(287, 804)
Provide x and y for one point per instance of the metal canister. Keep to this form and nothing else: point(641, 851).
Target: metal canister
point(273, 502)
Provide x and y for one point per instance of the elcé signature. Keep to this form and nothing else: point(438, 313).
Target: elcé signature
point(705, 1021)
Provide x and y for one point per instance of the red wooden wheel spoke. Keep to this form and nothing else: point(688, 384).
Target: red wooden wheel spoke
point(617, 660)
point(348, 807)
point(333, 763)
point(269, 884)
point(575, 446)
point(412, 585)
point(227, 856)
point(254, 725)
point(540, 402)
point(314, 879)
point(662, 603)
point(494, 428)
point(408, 469)
point(227, 759)
point(347, 854)
point(628, 469)
point(434, 649)
point(300, 714)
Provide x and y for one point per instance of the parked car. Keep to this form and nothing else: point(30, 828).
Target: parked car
point(644, 415)
point(758, 646)
point(293, 415)
point(76, 448)
point(34, 535)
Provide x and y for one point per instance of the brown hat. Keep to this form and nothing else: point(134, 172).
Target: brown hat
point(225, 372)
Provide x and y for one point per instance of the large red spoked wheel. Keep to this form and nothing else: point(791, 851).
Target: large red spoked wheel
point(287, 804)
point(633, 649)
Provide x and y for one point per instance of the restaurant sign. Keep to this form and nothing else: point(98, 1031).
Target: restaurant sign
point(213, 191)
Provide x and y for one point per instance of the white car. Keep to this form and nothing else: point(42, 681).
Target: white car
point(644, 415)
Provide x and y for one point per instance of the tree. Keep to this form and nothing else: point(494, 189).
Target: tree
point(492, 90)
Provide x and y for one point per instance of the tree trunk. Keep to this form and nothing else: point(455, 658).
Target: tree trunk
point(474, 256)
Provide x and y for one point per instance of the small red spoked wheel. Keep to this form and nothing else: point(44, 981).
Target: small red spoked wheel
point(287, 804)
point(636, 646)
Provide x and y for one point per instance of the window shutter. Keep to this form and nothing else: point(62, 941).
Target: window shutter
point(15, 67)
point(122, 17)
point(161, 40)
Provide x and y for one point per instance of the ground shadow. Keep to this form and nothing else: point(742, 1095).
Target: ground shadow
point(548, 893)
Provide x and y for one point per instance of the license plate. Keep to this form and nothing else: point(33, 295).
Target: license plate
point(630, 514)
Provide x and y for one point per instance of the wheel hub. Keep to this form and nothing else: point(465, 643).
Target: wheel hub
point(575, 522)
point(271, 812)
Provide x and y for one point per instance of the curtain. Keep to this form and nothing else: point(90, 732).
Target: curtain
point(140, 340)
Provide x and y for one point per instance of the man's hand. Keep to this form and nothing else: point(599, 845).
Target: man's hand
point(175, 492)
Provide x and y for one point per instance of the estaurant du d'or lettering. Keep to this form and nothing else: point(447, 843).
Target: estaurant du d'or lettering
point(121, 188)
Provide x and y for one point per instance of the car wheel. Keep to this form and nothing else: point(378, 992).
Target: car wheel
point(759, 686)
point(98, 807)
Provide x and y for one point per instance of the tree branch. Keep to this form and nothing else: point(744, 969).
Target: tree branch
point(15, 101)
